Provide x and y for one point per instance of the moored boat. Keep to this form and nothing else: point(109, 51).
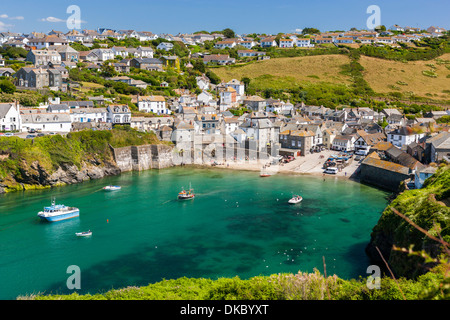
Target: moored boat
point(84, 234)
point(58, 212)
point(264, 173)
point(295, 199)
point(112, 188)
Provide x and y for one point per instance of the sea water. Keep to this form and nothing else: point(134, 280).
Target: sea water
point(238, 225)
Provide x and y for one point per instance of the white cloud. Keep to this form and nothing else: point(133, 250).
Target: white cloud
point(5, 16)
point(52, 19)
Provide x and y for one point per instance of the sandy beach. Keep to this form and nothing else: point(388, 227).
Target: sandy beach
point(311, 164)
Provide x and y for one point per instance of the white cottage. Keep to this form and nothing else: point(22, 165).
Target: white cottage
point(10, 117)
point(118, 114)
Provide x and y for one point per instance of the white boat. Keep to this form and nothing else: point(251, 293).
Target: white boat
point(295, 199)
point(84, 234)
point(112, 188)
point(58, 212)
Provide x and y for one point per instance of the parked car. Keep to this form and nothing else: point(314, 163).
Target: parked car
point(31, 136)
point(9, 134)
point(41, 134)
point(32, 131)
point(332, 170)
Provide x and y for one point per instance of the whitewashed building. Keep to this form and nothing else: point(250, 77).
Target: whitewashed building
point(155, 104)
point(404, 136)
point(46, 122)
point(89, 115)
point(118, 114)
point(10, 117)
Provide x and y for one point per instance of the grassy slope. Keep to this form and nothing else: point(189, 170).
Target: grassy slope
point(282, 73)
point(383, 74)
point(301, 286)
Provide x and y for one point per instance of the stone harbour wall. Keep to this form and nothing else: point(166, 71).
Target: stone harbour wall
point(146, 157)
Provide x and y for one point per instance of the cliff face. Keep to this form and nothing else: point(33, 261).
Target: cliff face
point(55, 160)
point(34, 175)
point(427, 208)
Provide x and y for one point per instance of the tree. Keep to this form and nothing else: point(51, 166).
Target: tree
point(213, 77)
point(310, 31)
point(199, 65)
point(107, 70)
point(246, 81)
point(7, 86)
point(228, 33)
point(380, 28)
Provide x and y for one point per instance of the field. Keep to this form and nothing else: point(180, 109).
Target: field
point(382, 75)
point(283, 73)
point(387, 76)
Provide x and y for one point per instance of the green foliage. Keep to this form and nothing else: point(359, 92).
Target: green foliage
point(300, 286)
point(443, 119)
point(13, 53)
point(79, 47)
point(429, 73)
point(214, 78)
point(297, 52)
point(228, 33)
point(355, 70)
point(7, 86)
point(422, 207)
point(310, 30)
point(430, 49)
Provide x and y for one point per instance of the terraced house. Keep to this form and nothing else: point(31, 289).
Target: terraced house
point(300, 140)
point(39, 78)
point(44, 57)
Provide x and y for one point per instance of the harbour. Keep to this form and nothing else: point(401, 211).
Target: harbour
point(237, 225)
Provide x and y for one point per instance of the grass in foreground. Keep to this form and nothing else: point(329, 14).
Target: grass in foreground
point(300, 286)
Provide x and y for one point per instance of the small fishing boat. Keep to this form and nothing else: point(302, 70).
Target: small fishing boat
point(112, 188)
point(264, 173)
point(186, 194)
point(84, 234)
point(58, 212)
point(295, 199)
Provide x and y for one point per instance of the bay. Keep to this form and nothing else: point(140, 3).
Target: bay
point(238, 225)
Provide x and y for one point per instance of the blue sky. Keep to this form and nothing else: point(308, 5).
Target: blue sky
point(245, 16)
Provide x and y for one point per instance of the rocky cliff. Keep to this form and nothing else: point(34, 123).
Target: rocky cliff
point(56, 160)
point(36, 176)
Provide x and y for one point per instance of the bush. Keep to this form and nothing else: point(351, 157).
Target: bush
point(7, 86)
point(429, 73)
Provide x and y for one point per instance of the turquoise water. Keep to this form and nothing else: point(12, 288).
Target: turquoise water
point(238, 224)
